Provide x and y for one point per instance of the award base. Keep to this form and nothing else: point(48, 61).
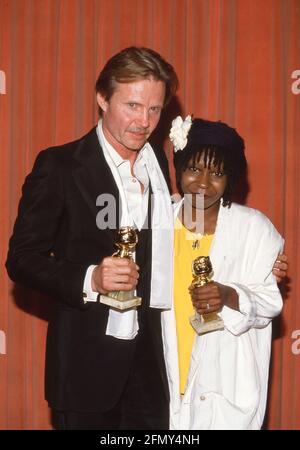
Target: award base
point(206, 323)
point(121, 300)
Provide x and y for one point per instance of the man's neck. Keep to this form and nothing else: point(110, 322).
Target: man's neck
point(124, 152)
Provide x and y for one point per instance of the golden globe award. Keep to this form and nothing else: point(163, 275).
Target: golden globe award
point(202, 272)
point(125, 242)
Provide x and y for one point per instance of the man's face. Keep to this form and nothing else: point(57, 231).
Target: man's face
point(132, 113)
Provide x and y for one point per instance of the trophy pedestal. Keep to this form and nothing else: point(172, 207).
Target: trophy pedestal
point(202, 272)
point(205, 323)
point(121, 300)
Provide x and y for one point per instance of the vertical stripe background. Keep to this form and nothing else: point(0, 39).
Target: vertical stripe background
point(234, 59)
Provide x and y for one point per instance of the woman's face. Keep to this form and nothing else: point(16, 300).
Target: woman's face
point(206, 184)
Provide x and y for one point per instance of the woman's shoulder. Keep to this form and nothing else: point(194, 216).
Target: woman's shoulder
point(251, 218)
point(247, 212)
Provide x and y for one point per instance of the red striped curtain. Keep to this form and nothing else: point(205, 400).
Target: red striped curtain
point(237, 60)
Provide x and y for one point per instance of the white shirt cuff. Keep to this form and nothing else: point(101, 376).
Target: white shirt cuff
point(88, 294)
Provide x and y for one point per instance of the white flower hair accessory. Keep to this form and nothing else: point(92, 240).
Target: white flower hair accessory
point(179, 131)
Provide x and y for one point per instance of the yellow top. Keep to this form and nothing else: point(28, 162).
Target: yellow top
point(187, 247)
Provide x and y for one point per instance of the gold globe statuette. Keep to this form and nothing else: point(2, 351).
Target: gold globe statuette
point(202, 273)
point(126, 241)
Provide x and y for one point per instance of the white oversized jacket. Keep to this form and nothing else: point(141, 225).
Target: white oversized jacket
point(228, 376)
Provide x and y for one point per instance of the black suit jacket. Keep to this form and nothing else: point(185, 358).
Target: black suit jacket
point(55, 239)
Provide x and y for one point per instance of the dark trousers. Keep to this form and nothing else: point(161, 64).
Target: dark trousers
point(143, 405)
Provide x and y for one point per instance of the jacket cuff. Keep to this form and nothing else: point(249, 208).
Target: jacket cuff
point(238, 322)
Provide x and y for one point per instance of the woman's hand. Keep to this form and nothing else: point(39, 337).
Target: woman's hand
point(280, 267)
point(213, 296)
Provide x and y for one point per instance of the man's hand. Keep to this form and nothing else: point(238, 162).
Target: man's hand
point(115, 274)
point(280, 267)
point(213, 296)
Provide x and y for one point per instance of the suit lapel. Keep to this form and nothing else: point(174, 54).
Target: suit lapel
point(93, 176)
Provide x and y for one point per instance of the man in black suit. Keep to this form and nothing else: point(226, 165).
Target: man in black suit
point(104, 369)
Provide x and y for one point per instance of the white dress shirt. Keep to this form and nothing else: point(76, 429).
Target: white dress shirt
point(136, 189)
